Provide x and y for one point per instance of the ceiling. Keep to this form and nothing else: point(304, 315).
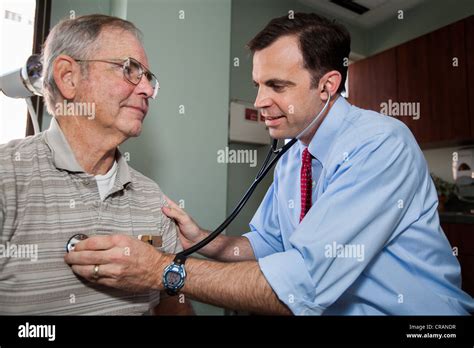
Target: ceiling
point(380, 10)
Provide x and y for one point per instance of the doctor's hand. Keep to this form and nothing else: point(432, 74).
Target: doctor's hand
point(190, 232)
point(119, 261)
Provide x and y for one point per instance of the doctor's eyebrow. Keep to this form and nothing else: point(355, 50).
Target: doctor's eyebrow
point(276, 82)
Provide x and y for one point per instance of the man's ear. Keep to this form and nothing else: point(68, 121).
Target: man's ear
point(66, 74)
point(329, 83)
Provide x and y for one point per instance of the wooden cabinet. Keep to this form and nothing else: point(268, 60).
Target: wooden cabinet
point(371, 82)
point(412, 81)
point(469, 32)
point(436, 72)
point(461, 236)
point(448, 85)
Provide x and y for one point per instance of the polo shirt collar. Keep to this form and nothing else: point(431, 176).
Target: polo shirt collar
point(63, 156)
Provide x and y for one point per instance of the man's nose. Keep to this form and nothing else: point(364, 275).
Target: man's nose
point(262, 100)
point(145, 88)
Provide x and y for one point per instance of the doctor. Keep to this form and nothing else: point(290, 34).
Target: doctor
point(349, 225)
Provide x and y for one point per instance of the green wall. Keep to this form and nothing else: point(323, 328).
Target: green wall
point(62, 9)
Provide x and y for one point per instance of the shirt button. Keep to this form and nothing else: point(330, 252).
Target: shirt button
point(87, 182)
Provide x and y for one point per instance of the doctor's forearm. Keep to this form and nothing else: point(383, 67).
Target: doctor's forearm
point(235, 285)
point(228, 248)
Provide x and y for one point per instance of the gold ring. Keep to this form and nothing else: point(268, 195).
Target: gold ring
point(95, 272)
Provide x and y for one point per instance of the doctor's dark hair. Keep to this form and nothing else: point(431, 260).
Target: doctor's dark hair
point(77, 38)
point(324, 44)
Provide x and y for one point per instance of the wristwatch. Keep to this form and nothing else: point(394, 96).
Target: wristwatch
point(174, 276)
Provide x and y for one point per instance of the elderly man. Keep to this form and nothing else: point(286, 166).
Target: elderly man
point(72, 179)
point(366, 238)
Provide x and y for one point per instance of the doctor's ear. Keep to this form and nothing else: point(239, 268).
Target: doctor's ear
point(329, 84)
point(66, 74)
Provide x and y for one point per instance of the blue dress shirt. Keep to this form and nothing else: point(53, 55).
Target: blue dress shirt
point(371, 242)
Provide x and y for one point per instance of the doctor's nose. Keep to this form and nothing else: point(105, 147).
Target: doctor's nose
point(262, 100)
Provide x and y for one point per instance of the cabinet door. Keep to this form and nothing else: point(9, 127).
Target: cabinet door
point(448, 83)
point(413, 79)
point(470, 67)
point(467, 265)
point(465, 235)
point(372, 81)
point(461, 236)
point(466, 255)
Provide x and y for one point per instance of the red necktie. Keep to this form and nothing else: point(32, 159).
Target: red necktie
point(306, 181)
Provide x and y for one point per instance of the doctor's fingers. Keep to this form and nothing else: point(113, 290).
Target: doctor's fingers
point(172, 204)
point(175, 212)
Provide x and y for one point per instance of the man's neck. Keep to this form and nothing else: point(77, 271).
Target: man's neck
point(94, 150)
point(306, 139)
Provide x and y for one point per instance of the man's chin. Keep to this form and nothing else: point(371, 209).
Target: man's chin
point(135, 133)
point(279, 134)
point(132, 132)
point(131, 128)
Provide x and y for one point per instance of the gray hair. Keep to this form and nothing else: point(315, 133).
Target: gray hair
point(76, 38)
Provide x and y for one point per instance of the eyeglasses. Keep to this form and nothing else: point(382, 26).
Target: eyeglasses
point(133, 71)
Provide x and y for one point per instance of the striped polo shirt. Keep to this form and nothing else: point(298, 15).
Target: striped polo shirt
point(45, 199)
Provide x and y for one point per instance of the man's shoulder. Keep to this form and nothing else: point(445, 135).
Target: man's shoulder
point(21, 150)
point(367, 126)
point(143, 183)
point(20, 145)
point(375, 123)
point(375, 138)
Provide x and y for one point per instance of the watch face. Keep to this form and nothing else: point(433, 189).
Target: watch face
point(173, 278)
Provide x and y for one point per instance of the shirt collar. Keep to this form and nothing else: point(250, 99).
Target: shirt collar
point(63, 156)
point(327, 132)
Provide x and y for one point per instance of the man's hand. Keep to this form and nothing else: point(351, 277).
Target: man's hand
point(223, 248)
point(189, 231)
point(123, 262)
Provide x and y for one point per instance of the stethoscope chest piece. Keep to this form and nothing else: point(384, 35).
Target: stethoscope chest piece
point(71, 243)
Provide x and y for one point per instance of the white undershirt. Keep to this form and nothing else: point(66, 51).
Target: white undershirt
point(106, 182)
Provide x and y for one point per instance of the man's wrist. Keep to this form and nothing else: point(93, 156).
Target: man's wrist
point(165, 261)
point(204, 234)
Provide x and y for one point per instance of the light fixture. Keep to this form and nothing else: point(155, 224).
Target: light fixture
point(25, 82)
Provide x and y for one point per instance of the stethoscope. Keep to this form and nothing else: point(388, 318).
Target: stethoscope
point(266, 167)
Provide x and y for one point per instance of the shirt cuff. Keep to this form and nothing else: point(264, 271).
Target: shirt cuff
point(260, 247)
point(288, 276)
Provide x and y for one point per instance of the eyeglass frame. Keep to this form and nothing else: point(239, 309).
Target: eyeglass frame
point(123, 64)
